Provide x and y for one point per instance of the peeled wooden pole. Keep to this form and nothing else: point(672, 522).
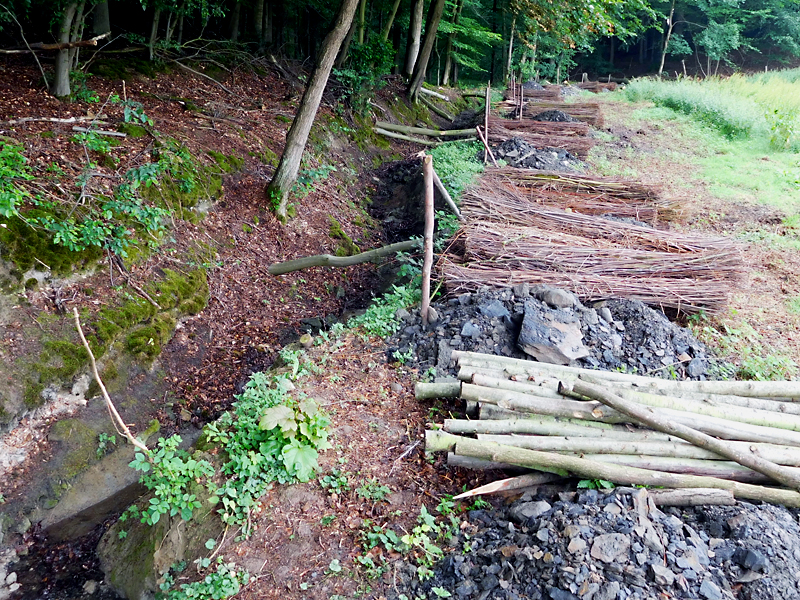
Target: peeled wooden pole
point(591, 411)
point(401, 136)
point(650, 418)
point(427, 264)
point(756, 389)
point(637, 444)
point(446, 195)
point(446, 389)
point(539, 425)
point(546, 461)
point(692, 497)
point(328, 260)
point(424, 131)
point(439, 111)
point(486, 145)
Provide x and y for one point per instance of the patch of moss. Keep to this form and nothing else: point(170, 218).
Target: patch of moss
point(31, 283)
point(27, 247)
point(146, 341)
point(365, 137)
point(32, 396)
point(266, 156)
point(228, 163)
point(82, 450)
point(346, 245)
point(132, 130)
point(283, 119)
point(62, 359)
point(47, 135)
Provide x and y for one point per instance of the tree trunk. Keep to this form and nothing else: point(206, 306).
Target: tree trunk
point(670, 26)
point(76, 35)
point(286, 174)
point(154, 33)
point(448, 52)
point(179, 41)
point(101, 22)
point(341, 57)
point(362, 9)
point(611, 50)
point(431, 28)
point(269, 17)
point(60, 87)
point(234, 24)
point(258, 20)
point(414, 37)
point(511, 46)
point(390, 21)
point(427, 263)
point(328, 260)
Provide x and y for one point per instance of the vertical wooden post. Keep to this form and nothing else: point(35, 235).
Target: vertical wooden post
point(486, 119)
point(521, 101)
point(427, 263)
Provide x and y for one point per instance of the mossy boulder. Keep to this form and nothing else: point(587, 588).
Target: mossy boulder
point(136, 562)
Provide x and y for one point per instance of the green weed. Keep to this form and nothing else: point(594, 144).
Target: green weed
point(373, 491)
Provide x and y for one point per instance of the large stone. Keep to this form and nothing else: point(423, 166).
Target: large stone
point(529, 510)
point(662, 575)
point(610, 546)
point(550, 341)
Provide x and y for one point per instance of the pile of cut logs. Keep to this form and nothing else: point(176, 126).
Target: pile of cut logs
point(742, 437)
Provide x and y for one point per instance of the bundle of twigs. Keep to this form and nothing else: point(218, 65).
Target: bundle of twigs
point(542, 127)
point(598, 86)
point(619, 188)
point(505, 248)
point(682, 294)
point(550, 92)
point(577, 145)
point(500, 204)
point(588, 112)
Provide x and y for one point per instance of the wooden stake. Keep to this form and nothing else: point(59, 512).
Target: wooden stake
point(328, 260)
point(427, 264)
point(486, 146)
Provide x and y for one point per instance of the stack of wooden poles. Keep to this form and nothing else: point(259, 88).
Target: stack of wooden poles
point(739, 436)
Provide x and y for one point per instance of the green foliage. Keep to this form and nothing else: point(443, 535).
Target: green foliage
point(224, 582)
point(93, 141)
point(80, 88)
point(380, 318)
point(268, 437)
point(457, 165)
point(104, 442)
point(732, 115)
point(169, 474)
point(745, 348)
point(308, 177)
point(336, 482)
point(367, 64)
point(595, 484)
point(13, 168)
point(373, 491)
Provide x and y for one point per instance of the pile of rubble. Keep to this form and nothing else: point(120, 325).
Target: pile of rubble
point(519, 153)
point(616, 545)
point(553, 325)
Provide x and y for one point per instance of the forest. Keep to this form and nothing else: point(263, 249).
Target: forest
point(448, 41)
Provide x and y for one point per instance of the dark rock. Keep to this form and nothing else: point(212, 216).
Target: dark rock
point(554, 116)
point(695, 368)
point(751, 559)
point(522, 512)
point(558, 594)
point(494, 310)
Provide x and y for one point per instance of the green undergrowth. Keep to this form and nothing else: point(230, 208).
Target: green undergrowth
point(765, 106)
point(745, 349)
point(457, 165)
point(742, 171)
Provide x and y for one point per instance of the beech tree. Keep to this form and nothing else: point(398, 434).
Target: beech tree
point(286, 174)
point(421, 66)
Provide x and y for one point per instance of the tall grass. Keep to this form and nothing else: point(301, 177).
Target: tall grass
point(766, 105)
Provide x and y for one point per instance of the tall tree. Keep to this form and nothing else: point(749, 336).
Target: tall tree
point(60, 87)
point(286, 174)
point(431, 29)
point(414, 36)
